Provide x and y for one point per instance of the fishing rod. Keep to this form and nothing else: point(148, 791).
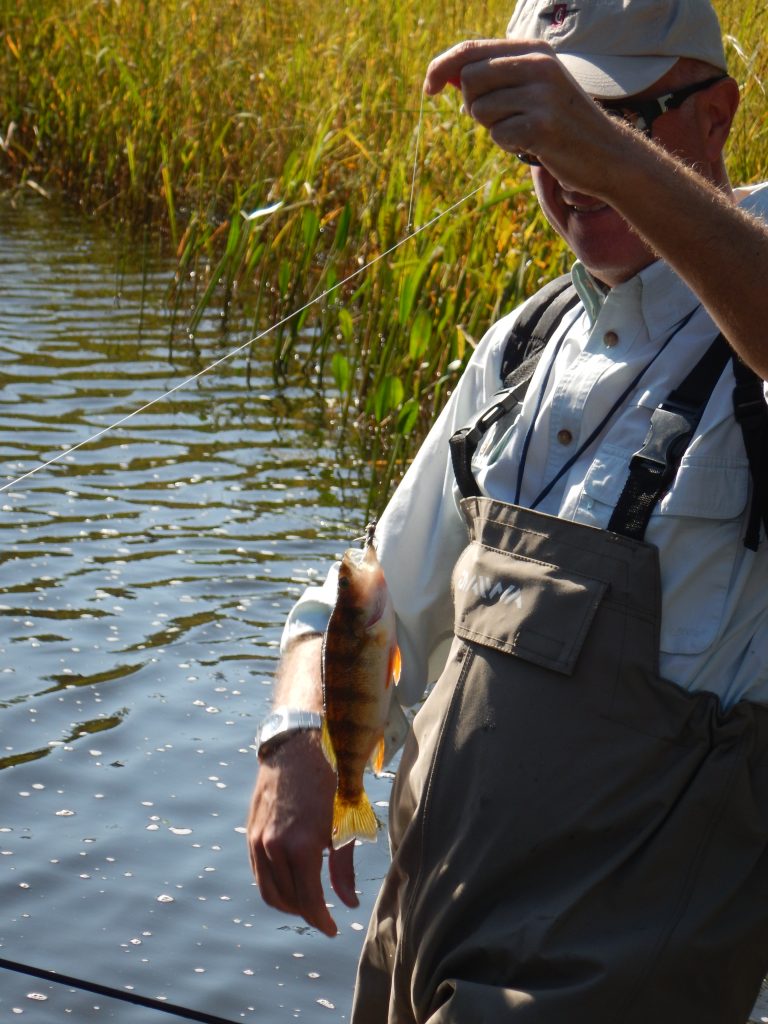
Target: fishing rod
point(114, 993)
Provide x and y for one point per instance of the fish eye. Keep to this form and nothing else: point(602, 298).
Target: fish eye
point(343, 581)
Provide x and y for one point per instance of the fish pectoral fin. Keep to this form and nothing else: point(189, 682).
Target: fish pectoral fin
point(377, 757)
point(353, 819)
point(327, 744)
point(396, 665)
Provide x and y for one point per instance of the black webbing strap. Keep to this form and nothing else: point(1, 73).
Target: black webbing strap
point(523, 347)
point(673, 423)
point(534, 327)
point(464, 442)
point(114, 993)
point(751, 413)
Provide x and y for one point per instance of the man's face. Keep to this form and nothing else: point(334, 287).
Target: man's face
point(599, 237)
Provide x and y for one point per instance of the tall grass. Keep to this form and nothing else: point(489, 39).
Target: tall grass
point(273, 143)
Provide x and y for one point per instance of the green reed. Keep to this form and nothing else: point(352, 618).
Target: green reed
point(273, 144)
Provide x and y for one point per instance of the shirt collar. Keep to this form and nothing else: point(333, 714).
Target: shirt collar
point(591, 292)
point(656, 293)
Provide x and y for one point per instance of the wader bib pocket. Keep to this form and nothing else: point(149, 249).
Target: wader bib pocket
point(532, 609)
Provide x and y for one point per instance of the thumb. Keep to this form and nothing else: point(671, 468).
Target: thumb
point(341, 868)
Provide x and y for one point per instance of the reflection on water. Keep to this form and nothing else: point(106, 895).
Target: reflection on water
point(143, 583)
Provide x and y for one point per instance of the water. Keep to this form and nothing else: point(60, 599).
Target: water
point(143, 584)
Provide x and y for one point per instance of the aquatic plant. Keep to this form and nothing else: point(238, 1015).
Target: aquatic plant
point(275, 148)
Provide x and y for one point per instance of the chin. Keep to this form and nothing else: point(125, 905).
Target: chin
point(611, 272)
point(611, 258)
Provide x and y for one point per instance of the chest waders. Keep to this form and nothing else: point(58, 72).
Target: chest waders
point(575, 839)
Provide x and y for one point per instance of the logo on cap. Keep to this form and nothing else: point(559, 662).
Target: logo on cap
point(557, 14)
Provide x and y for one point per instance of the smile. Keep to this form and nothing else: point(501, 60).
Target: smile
point(583, 208)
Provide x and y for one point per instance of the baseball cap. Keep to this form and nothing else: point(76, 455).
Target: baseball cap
point(616, 48)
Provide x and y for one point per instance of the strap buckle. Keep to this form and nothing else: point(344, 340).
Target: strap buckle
point(490, 415)
point(672, 426)
point(463, 443)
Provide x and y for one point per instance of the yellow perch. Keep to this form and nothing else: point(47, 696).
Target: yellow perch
point(360, 660)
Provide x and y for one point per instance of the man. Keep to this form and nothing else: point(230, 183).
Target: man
point(580, 820)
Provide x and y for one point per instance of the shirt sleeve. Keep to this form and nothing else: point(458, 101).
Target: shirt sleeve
point(420, 535)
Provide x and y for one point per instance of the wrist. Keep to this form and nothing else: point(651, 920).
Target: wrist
point(281, 724)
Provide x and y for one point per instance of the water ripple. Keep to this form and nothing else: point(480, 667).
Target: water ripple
point(143, 583)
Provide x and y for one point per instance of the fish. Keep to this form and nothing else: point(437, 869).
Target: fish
point(360, 663)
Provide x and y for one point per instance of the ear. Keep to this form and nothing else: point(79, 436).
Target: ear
point(717, 110)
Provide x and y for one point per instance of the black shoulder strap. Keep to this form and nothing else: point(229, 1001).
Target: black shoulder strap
point(673, 424)
point(463, 443)
point(533, 328)
point(751, 414)
point(524, 345)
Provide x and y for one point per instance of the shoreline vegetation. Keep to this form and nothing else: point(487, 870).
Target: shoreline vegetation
point(273, 147)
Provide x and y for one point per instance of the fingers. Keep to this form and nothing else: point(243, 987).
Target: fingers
point(448, 67)
point(272, 881)
point(289, 827)
point(341, 866)
point(524, 96)
point(310, 897)
point(289, 880)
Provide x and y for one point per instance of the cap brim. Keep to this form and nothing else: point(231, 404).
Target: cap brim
point(614, 77)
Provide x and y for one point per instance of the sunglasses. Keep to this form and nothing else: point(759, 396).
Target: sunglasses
point(640, 114)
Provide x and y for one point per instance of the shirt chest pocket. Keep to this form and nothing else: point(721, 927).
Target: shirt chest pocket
point(698, 527)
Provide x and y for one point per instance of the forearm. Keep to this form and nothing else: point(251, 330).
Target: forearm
point(299, 681)
point(719, 250)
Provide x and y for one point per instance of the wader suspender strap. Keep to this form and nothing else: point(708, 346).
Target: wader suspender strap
point(751, 414)
point(534, 328)
point(524, 345)
point(673, 423)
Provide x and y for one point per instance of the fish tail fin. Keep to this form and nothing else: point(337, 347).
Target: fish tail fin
point(327, 744)
point(353, 819)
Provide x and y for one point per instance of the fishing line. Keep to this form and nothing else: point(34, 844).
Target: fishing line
point(416, 150)
point(106, 990)
point(245, 345)
point(114, 993)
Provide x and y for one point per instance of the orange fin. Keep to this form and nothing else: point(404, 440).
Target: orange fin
point(327, 744)
point(377, 757)
point(395, 665)
point(353, 820)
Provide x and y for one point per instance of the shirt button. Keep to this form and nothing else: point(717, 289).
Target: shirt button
point(610, 338)
point(564, 436)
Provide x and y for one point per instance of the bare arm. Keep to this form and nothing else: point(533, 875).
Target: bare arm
point(719, 250)
point(529, 103)
point(289, 824)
